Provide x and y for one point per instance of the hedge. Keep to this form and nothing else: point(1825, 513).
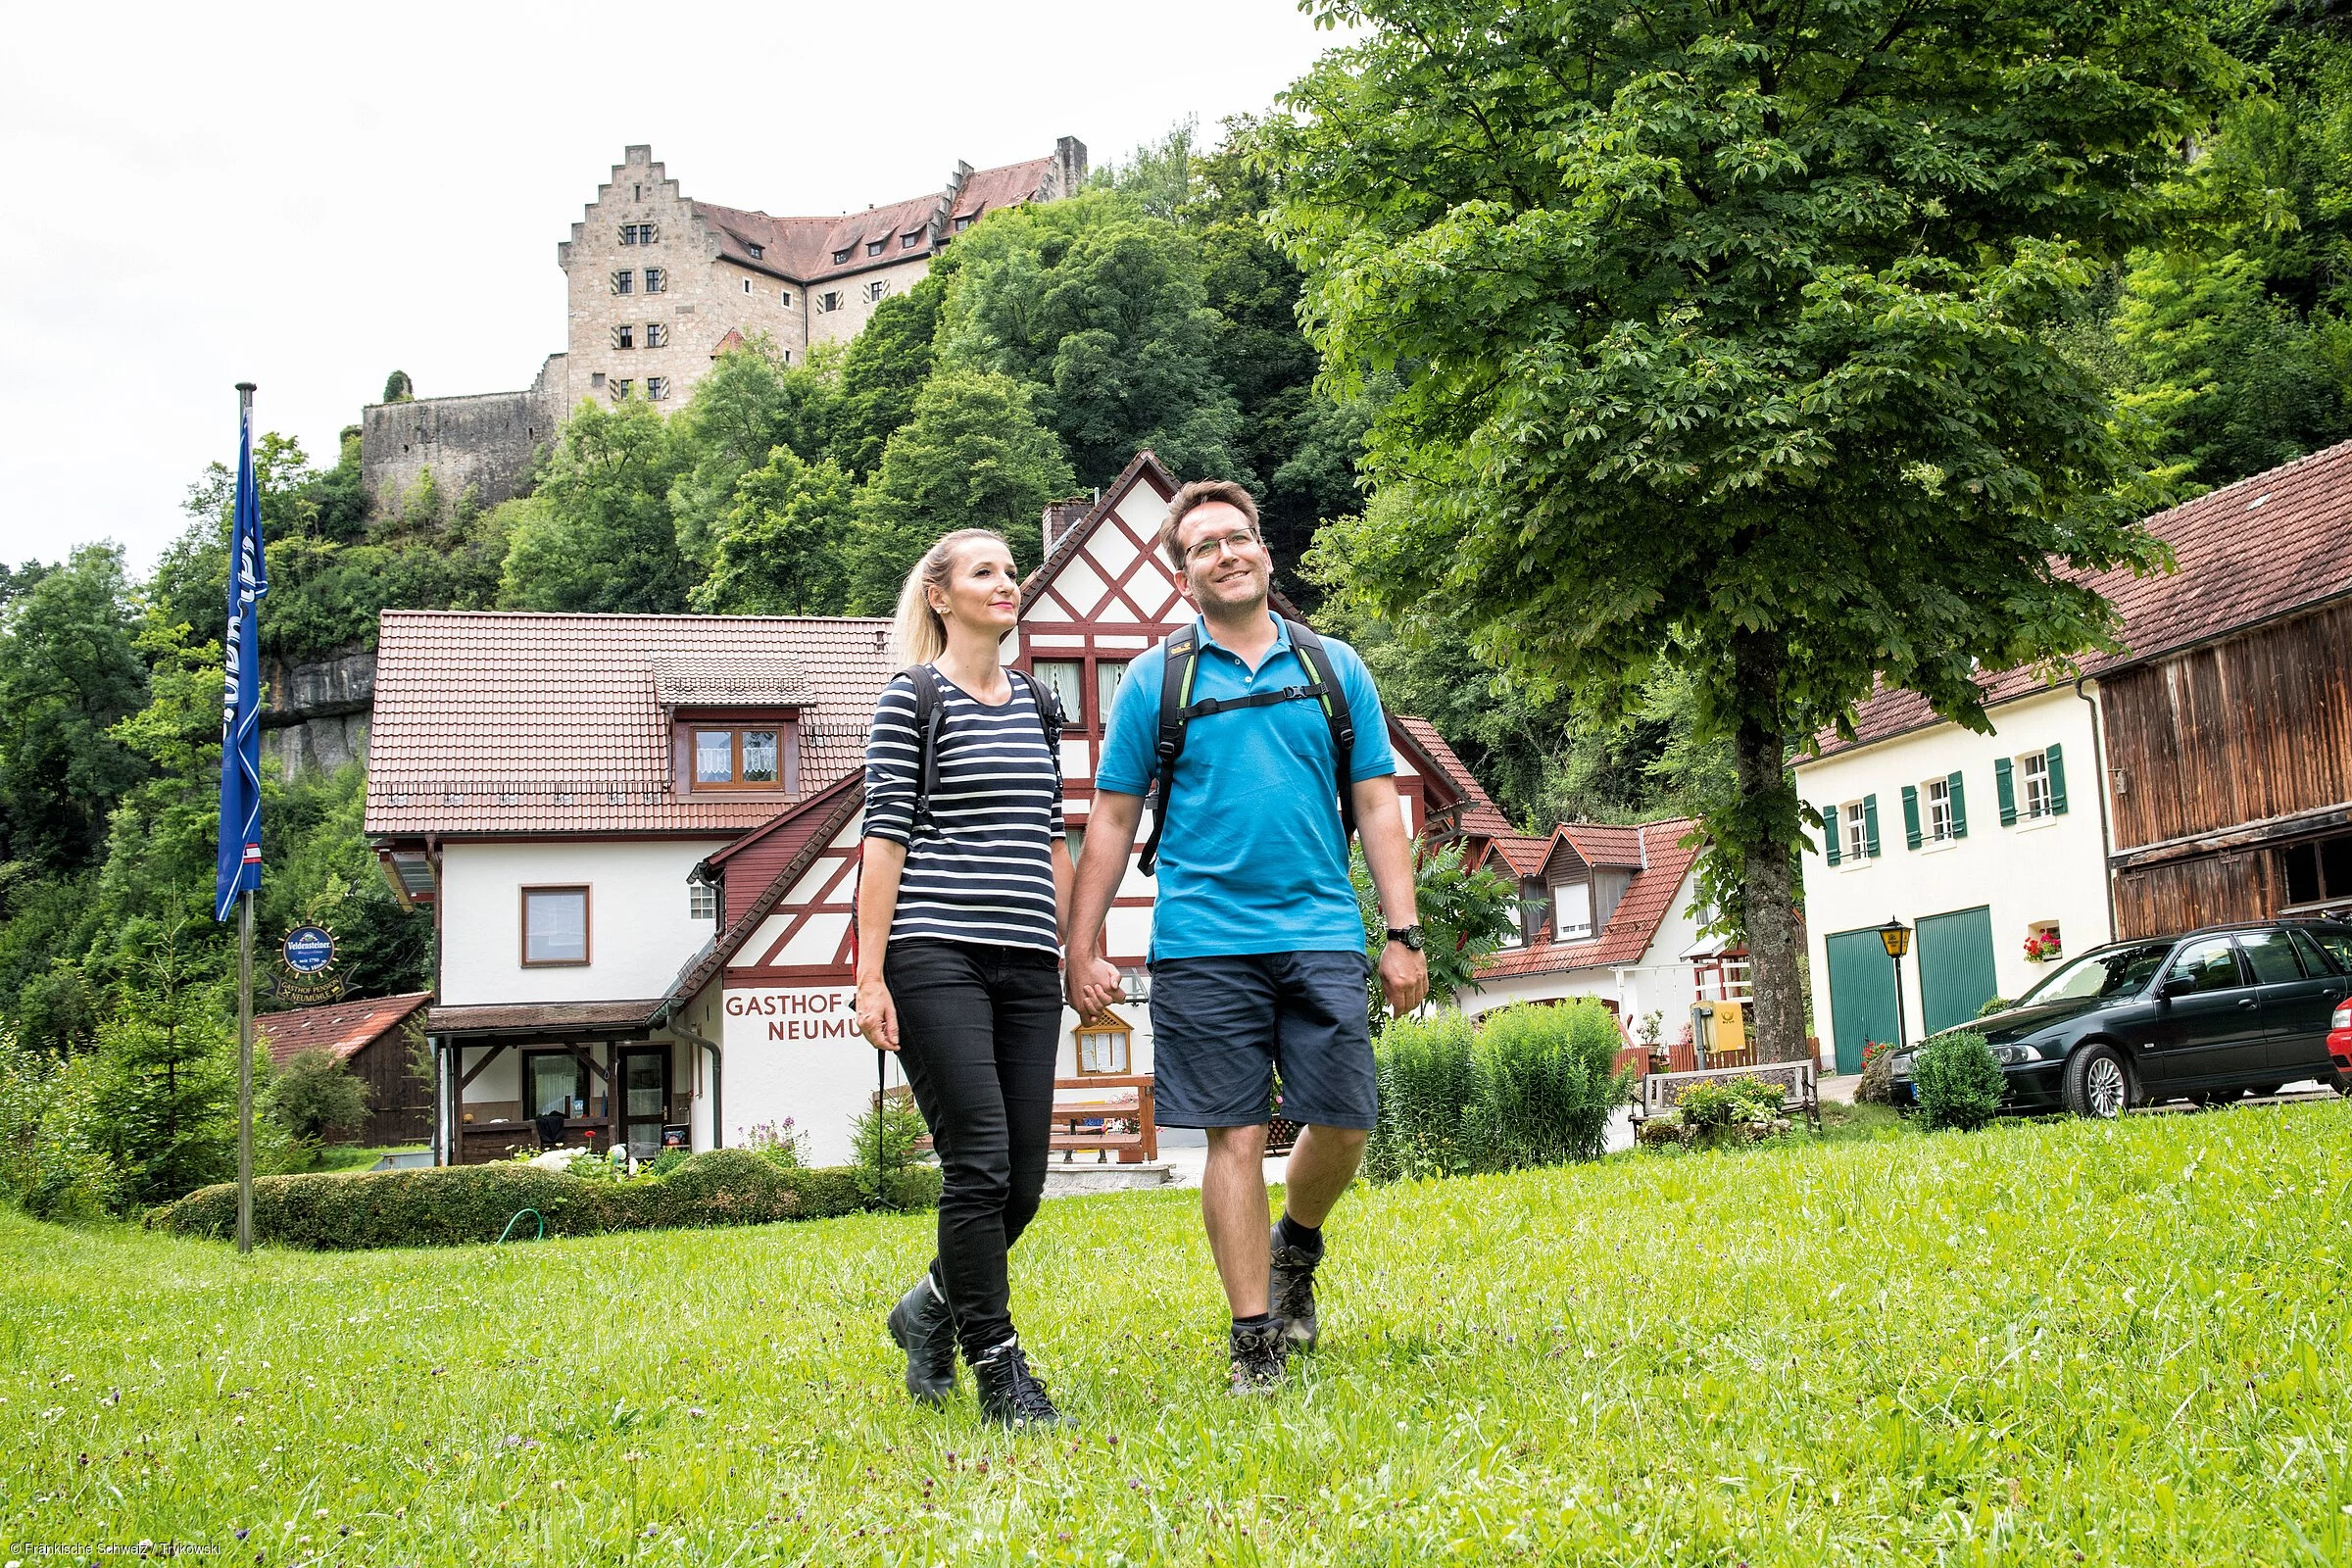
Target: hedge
point(455, 1206)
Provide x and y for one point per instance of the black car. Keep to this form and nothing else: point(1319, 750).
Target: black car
point(2209, 1016)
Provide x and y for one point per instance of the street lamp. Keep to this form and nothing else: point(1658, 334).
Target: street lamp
point(1896, 938)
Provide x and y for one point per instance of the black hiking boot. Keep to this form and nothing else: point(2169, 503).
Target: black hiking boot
point(1010, 1394)
point(925, 1330)
point(1291, 1290)
point(1259, 1357)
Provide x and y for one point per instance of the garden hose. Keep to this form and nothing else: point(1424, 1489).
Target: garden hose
point(519, 1213)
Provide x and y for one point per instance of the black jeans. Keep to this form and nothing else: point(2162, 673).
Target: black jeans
point(978, 1030)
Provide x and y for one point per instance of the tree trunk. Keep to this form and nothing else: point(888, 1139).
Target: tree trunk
point(1767, 801)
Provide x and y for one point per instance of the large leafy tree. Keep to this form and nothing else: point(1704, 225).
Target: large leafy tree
point(1718, 333)
point(882, 369)
point(780, 543)
point(69, 670)
point(749, 404)
point(597, 534)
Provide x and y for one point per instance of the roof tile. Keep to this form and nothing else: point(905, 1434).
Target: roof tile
point(339, 1028)
point(1633, 925)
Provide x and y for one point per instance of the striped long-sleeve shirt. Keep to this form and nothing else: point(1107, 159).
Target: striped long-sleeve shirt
point(981, 868)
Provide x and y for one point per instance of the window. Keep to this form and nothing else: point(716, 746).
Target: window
point(2037, 768)
point(596, 379)
point(828, 301)
point(747, 285)
point(787, 298)
point(624, 337)
point(623, 281)
point(2318, 872)
point(2210, 965)
point(657, 388)
point(1572, 904)
point(873, 247)
point(2272, 953)
point(963, 223)
point(657, 335)
point(911, 240)
point(1939, 810)
point(623, 388)
point(1860, 842)
point(554, 1082)
point(656, 281)
point(637, 234)
point(555, 926)
point(736, 759)
point(2033, 784)
point(702, 902)
point(757, 251)
point(876, 289)
point(841, 258)
point(1109, 676)
point(1065, 678)
point(1102, 1052)
point(784, 354)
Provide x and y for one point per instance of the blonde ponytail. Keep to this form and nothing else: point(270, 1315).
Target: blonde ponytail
point(920, 635)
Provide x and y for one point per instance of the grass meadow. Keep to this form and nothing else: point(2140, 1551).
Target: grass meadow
point(2048, 1343)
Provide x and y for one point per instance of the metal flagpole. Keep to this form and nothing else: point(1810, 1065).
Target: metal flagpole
point(245, 1066)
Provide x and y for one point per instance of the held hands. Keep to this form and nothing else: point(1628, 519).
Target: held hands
point(1403, 978)
point(877, 1014)
point(1093, 983)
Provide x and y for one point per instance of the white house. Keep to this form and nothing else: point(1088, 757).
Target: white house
point(638, 839)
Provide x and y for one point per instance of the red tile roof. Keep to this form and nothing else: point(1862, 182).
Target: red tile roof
point(503, 723)
point(802, 248)
point(2280, 541)
point(1523, 852)
point(339, 1028)
point(1648, 900)
point(1477, 815)
point(1611, 845)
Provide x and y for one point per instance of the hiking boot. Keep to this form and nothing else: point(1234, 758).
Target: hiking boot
point(1010, 1394)
point(1259, 1357)
point(1291, 1290)
point(925, 1330)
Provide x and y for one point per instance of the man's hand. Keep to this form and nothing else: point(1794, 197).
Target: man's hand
point(1403, 978)
point(877, 1014)
point(1094, 984)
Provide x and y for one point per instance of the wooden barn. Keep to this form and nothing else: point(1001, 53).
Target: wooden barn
point(373, 1039)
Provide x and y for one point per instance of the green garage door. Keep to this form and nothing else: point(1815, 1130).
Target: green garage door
point(1956, 966)
point(1861, 995)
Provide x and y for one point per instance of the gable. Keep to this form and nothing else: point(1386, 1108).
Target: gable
point(1102, 571)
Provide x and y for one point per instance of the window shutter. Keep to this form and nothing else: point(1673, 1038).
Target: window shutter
point(2057, 781)
point(1829, 827)
point(1959, 808)
point(1870, 826)
point(2004, 789)
point(1911, 833)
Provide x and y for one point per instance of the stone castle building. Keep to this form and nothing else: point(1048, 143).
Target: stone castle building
point(657, 285)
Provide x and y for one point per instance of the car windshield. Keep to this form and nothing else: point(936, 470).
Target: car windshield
point(2109, 972)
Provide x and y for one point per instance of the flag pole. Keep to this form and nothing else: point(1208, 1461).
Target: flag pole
point(245, 986)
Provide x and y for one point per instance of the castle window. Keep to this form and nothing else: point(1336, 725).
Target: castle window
point(657, 335)
point(828, 301)
point(656, 387)
point(876, 289)
point(595, 379)
point(747, 285)
point(655, 283)
point(621, 389)
point(786, 356)
point(623, 281)
point(637, 234)
point(873, 247)
point(910, 242)
point(757, 251)
point(840, 257)
point(963, 223)
point(787, 293)
point(624, 337)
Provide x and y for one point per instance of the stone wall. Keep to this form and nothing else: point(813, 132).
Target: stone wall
point(487, 442)
point(319, 710)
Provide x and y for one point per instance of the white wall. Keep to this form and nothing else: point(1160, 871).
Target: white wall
point(2050, 870)
point(639, 931)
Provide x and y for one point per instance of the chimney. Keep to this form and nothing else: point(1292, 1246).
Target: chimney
point(1063, 515)
point(1069, 166)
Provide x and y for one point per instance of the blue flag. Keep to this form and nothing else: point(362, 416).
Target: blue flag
point(240, 861)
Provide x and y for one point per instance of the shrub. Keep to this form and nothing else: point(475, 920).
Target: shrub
point(779, 1142)
point(1425, 1087)
point(1547, 1083)
point(1957, 1081)
point(457, 1204)
point(53, 1163)
point(313, 1094)
point(1995, 1004)
point(884, 1137)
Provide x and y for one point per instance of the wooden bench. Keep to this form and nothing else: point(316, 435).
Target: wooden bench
point(1104, 1114)
point(1661, 1092)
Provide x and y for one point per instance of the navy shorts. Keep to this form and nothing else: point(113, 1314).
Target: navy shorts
point(1221, 1025)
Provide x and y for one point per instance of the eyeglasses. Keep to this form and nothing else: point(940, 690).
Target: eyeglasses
point(1203, 551)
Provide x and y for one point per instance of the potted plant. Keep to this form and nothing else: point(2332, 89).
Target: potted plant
point(2041, 946)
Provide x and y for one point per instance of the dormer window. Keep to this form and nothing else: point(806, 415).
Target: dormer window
point(873, 247)
point(1572, 906)
point(743, 759)
point(965, 222)
point(841, 258)
point(757, 251)
point(910, 242)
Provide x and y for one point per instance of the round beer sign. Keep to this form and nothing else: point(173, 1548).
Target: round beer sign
point(309, 948)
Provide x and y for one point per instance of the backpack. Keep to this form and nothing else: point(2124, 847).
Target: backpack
point(1177, 712)
point(930, 715)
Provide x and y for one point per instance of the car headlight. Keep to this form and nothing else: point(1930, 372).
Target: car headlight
point(1903, 1066)
point(2013, 1056)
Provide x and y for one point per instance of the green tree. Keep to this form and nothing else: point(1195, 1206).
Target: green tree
point(599, 537)
point(1720, 331)
point(749, 404)
point(312, 1095)
point(883, 369)
point(168, 1050)
point(69, 670)
point(398, 388)
point(779, 547)
point(974, 456)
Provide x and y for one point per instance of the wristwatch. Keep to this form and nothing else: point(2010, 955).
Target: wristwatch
point(1409, 935)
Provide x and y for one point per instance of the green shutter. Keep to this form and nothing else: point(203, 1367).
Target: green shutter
point(1870, 826)
point(1959, 808)
point(2057, 781)
point(1829, 827)
point(1911, 833)
point(2004, 787)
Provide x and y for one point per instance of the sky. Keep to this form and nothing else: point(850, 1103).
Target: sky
point(309, 197)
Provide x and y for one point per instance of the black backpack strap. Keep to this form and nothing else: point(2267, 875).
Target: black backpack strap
point(1050, 719)
point(1317, 659)
point(929, 713)
point(1183, 657)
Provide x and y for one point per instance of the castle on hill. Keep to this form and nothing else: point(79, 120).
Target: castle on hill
point(657, 285)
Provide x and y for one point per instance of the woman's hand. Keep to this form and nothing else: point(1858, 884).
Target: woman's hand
point(877, 1014)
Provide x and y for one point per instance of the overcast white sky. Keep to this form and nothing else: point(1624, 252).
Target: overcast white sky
point(308, 197)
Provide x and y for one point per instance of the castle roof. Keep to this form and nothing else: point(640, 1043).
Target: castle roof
point(803, 250)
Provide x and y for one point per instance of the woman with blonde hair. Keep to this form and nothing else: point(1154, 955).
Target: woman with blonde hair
point(965, 883)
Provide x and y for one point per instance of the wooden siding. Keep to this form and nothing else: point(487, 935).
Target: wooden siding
point(2255, 727)
point(2207, 890)
point(400, 1105)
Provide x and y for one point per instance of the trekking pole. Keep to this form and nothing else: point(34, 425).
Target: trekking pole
point(881, 1095)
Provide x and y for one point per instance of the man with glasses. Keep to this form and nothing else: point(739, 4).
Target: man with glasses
point(1257, 950)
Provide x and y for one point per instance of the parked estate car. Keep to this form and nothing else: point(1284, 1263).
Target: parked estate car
point(2209, 1016)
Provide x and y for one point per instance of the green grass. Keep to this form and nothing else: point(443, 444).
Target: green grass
point(2041, 1343)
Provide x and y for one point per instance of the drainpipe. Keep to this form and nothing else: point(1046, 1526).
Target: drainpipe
point(678, 1027)
point(2098, 758)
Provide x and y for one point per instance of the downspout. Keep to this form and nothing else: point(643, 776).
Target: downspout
point(685, 1032)
point(2098, 758)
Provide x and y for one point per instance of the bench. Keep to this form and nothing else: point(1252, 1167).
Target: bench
point(1108, 1115)
point(1661, 1092)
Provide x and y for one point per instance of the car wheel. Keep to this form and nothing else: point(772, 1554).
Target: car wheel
point(2337, 1081)
point(2097, 1082)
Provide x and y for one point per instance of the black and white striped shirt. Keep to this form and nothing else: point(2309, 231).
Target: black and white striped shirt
point(981, 870)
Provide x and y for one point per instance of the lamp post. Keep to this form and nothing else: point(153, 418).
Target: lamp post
point(1896, 938)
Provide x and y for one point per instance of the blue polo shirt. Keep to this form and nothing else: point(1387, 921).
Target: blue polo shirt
point(1253, 859)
